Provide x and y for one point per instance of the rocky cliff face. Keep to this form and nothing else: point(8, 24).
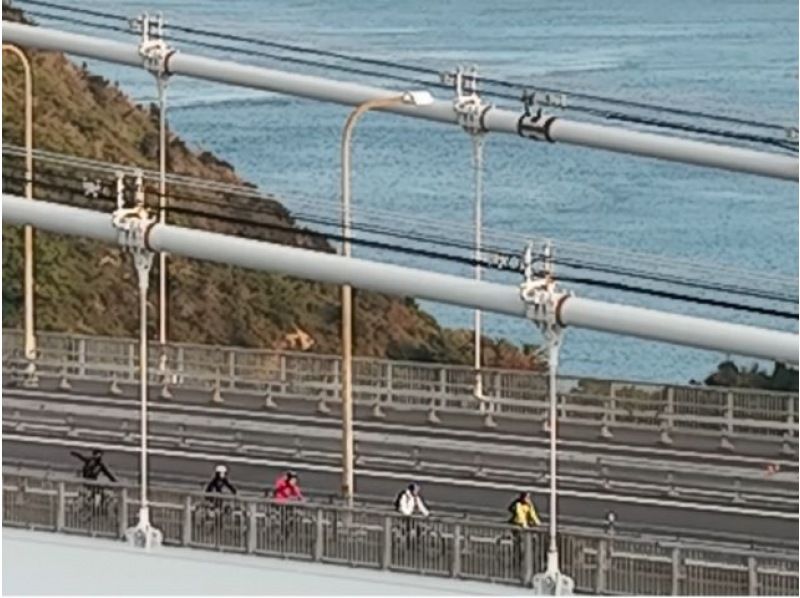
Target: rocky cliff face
point(83, 286)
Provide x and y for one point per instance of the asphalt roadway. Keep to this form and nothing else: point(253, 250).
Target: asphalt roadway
point(443, 453)
point(652, 519)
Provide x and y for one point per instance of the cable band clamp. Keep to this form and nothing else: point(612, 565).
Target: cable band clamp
point(533, 123)
point(155, 52)
point(544, 301)
point(469, 108)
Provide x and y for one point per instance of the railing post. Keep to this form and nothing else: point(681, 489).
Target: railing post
point(601, 574)
point(186, 536)
point(123, 511)
point(132, 369)
point(231, 368)
point(455, 563)
point(319, 535)
point(252, 528)
point(676, 572)
point(282, 367)
point(386, 558)
point(61, 505)
point(729, 415)
point(752, 576)
point(389, 382)
point(670, 410)
point(180, 365)
point(527, 559)
point(82, 357)
point(442, 381)
point(612, 401)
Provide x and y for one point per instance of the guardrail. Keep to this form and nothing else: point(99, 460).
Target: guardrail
point(488, 513)
point(600, 563)
point(189, 426)
point(607, 405)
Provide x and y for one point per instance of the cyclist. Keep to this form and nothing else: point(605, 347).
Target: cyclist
point(287, 488)
point(410, 500)
point(523, 516)
point(523, 513)
point(220, 481)
point(93, 467)
point(407, 502)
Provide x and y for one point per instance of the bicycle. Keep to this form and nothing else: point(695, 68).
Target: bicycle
point(97, 506)
point(216, 519)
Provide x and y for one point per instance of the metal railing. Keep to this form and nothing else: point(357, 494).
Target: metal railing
point(608, 405)
point(600, 563)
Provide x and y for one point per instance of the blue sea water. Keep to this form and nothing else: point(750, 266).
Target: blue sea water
point(732, 56)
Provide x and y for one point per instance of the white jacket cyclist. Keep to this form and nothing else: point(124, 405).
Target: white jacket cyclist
point(409, 502)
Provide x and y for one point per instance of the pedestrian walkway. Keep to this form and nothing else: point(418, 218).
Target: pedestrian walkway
point(39, 563)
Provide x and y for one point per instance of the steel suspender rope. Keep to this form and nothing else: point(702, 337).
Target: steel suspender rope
point(477, 163)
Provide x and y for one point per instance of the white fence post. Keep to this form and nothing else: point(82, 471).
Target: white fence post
point(252, 527)
point(132, 369)
point(602, 567)
point(729, 413)
point(319, 535)
point(82, 357)
point(455, 563)
point(231, 368)
point(186, 536)
point(676, 572)
point(61, 505)
point(123, 511)
point(181, 365)
point(386, 557)
point(282, 368)
point(752, 576)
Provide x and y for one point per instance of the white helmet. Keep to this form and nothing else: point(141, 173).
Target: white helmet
point(221, 469)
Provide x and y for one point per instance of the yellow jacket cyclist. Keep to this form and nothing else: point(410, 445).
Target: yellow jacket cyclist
point(523, 513)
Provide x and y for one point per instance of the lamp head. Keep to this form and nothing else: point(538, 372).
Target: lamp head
point(418, 98)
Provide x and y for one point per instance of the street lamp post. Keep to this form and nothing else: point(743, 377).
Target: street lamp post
point(134, 225)
point(546, 300)
point(418, 98)
point(28, 290)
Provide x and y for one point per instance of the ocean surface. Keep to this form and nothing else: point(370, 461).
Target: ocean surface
point(734, 56)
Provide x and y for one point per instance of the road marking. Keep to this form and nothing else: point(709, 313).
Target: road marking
point(733, 510)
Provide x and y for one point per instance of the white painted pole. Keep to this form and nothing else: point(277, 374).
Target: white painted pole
point(411, 282)
point(477, 157)
point(163, 297)
point(554, 347)
point(143, 272)
point(606, 137)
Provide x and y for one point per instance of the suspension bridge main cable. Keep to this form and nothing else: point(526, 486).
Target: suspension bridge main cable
point(470, 261)
point(645, 271)
point(603, 113)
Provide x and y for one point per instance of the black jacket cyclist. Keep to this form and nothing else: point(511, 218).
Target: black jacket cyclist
point(93, 466)
point(220, 481)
